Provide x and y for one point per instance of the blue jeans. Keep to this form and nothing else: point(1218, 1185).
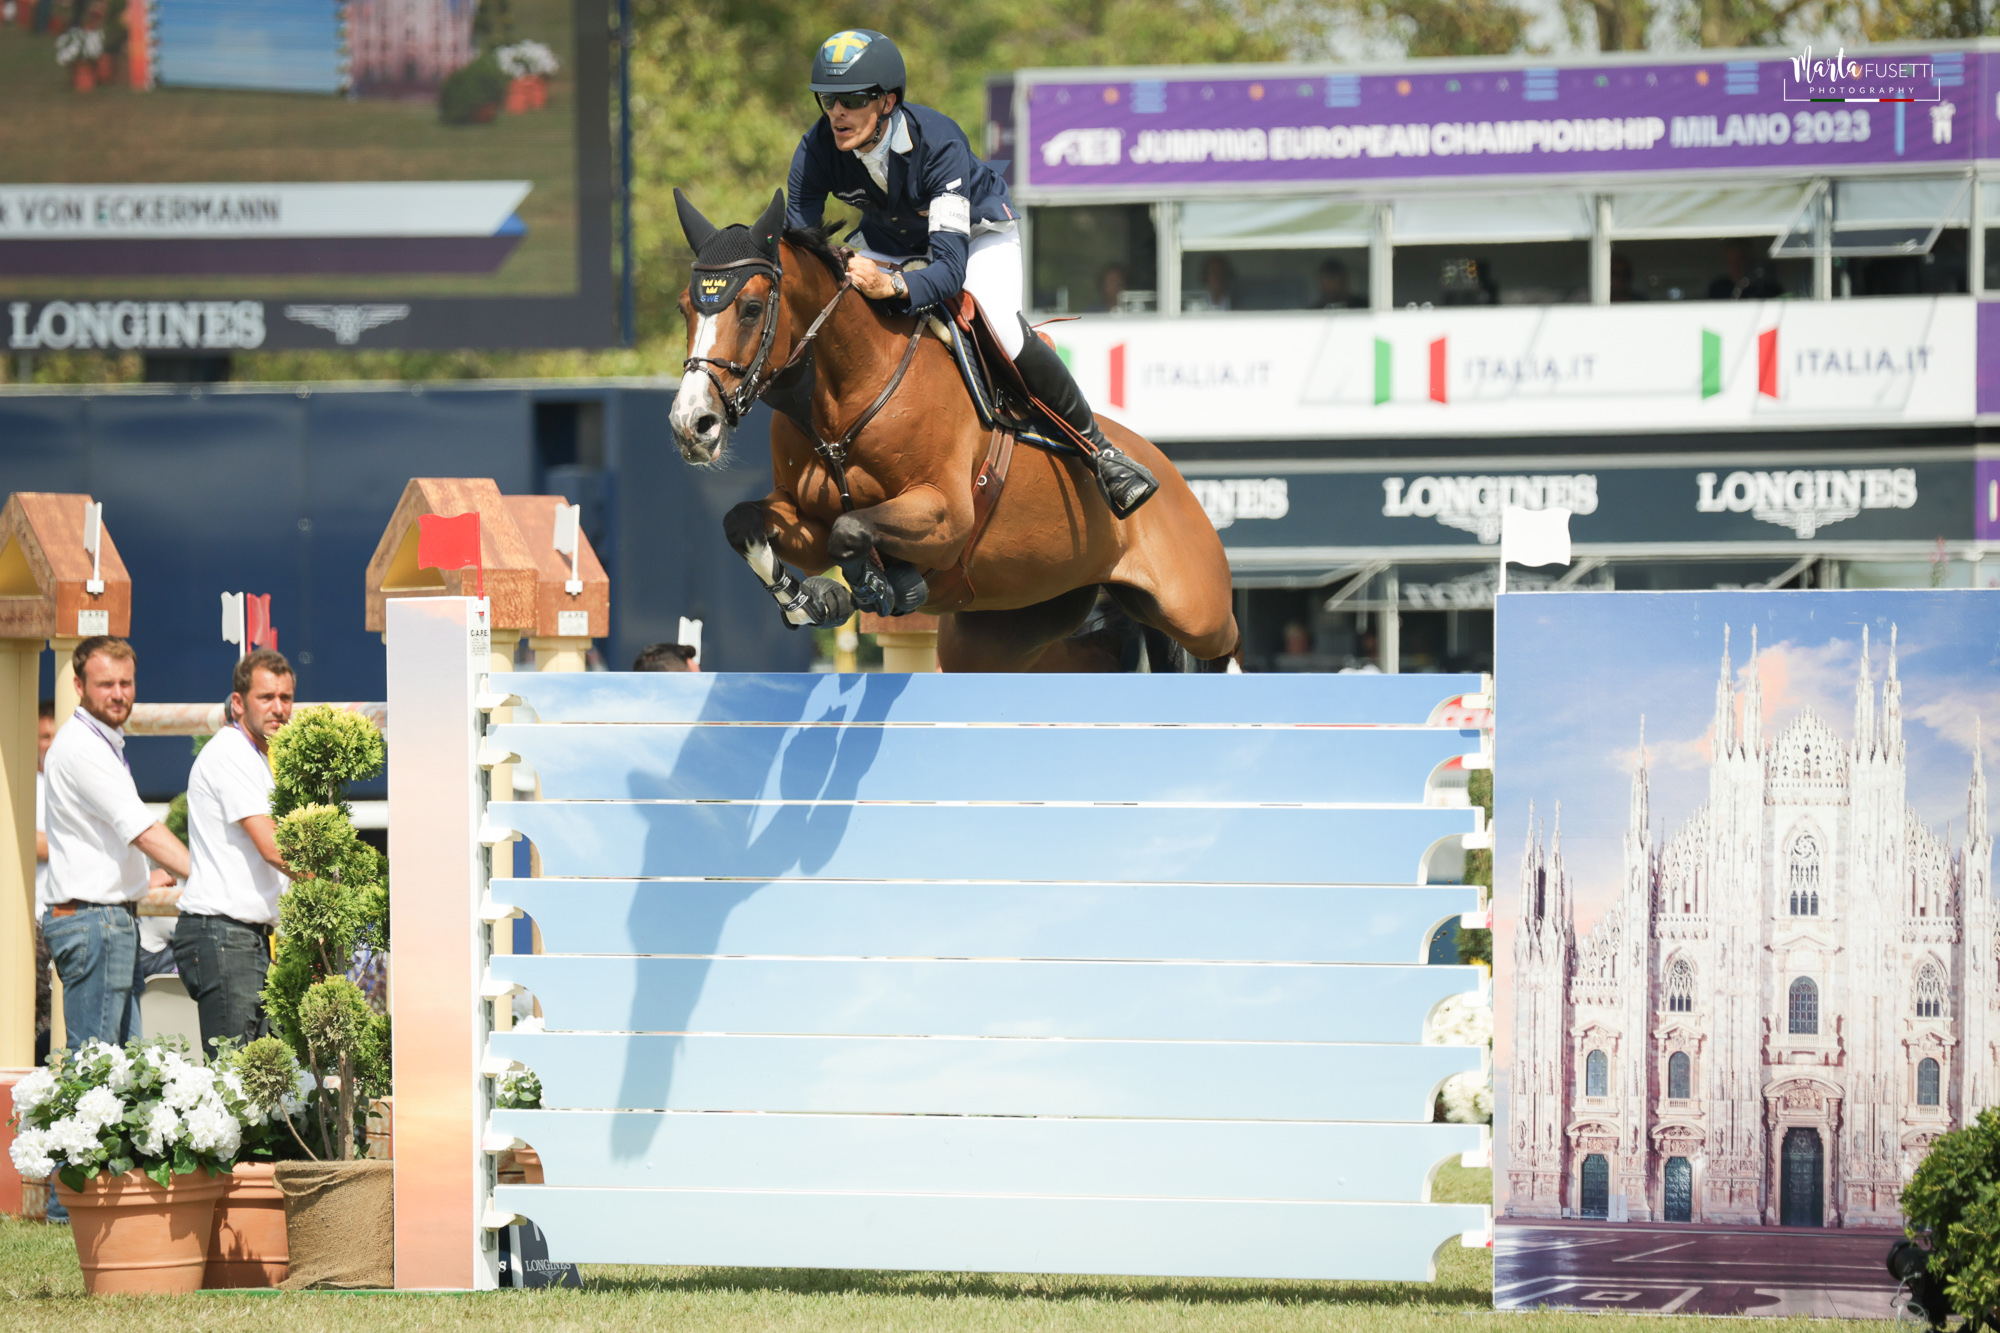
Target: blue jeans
point(96, 953)
point(222, 964)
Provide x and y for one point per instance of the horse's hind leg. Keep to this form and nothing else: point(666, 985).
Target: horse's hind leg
point(1203, 623)
point(1029, 638)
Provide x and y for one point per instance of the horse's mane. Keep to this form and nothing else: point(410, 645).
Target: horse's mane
point(818, 242)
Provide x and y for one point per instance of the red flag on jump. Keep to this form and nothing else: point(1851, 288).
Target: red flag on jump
point(257, 615)
point(450, 543)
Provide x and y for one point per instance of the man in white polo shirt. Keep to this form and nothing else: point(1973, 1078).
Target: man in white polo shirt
point(100, 835)
point(222, 945)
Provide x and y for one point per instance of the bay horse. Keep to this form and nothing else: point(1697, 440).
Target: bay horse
point(766, 318)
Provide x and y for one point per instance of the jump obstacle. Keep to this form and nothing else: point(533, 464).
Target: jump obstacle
point(1115, 974)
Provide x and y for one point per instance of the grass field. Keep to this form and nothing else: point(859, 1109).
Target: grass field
point(40, 1289)
point(51, 135)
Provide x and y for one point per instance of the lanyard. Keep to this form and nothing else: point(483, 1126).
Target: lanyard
point(262, 753)
point(97, 729)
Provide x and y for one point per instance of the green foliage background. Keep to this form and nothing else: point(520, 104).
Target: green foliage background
point(1955, 1196)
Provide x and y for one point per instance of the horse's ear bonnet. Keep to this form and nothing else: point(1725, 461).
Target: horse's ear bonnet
point(725, 258)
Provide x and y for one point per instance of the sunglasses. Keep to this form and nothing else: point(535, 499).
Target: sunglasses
point(852, 101)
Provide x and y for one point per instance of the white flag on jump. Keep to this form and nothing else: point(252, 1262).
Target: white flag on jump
point(1534, 536)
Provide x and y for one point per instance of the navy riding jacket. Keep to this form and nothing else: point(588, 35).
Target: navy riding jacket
point(939, 194)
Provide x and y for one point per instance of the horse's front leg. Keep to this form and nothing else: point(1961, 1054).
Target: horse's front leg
point(916, 530)
point(769, 532)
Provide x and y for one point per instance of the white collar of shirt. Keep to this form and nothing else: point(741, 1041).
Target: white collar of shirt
point(115, 736)
point(876, 159)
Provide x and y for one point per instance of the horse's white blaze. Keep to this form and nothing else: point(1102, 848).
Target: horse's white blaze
point(697, 393)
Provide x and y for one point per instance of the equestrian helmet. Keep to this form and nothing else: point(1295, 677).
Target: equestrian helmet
point(857, 60)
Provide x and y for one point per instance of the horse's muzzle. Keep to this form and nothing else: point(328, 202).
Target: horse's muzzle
point(698, 425)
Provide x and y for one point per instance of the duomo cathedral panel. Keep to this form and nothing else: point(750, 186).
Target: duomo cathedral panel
point(1795, 991)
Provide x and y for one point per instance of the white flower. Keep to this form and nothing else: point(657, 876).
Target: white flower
point(1468, 1099)
point(120, 1076)
point(186, 1086)
point(211, 1129)
point(74, 1140)
point(161, 1131)
point(99, 1108)
point(31, 1154)
point(524, 59)
point(33, 1090)
point(1459, 1022)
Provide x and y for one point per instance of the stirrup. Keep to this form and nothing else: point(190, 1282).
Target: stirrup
point(1126, 482)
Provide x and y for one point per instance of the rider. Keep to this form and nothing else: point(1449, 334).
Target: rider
point(922, 194)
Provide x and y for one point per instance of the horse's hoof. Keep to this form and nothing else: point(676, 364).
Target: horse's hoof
point(831, 603)
point(850, 537)
point(743, 526)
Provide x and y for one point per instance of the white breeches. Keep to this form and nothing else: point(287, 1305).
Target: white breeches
point(992, 274)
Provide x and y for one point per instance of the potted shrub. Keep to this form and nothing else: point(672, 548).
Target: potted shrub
point(522, 1091)
point(1953, 1202)
point(139, 1141)
point(338, 1204)
point(527, 66)
point(247, 1246)
point(81, 49)
point(473, 95)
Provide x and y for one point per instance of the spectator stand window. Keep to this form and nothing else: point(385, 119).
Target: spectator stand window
point(1274, 254)
point(1989, 212)
point(1098, 258)
point(1457, 250)
point(1702, 243)
point(1905, 236)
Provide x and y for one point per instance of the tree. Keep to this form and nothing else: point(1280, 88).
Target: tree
point(339, 898)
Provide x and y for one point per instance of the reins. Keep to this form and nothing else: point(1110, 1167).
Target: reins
point(753, 381)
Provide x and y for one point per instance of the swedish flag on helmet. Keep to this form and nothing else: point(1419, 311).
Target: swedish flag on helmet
point(857, 60)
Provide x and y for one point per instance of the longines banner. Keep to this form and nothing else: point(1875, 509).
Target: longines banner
point(1302, 510)
point(1539, 370)
point(1089, 131)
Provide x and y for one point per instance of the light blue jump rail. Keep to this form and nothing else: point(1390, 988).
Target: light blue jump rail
point(1091, 974)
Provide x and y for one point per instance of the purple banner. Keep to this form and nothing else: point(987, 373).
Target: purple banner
point(1986, 499)
point(1310, 127)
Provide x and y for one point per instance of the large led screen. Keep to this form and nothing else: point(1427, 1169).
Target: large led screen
point(218, 175)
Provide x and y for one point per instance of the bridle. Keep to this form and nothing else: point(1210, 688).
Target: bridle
point(753, 379)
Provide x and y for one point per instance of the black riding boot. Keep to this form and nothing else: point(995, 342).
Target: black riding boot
point(1125, 482)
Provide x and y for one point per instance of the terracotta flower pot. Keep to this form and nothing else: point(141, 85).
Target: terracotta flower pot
point(83, 76)
point(134, 1236)
point(520, 96)
point(107, 67)
point(340, 1224)
point(247, 1247)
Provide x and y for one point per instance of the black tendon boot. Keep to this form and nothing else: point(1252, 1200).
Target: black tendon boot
point(1125, 482)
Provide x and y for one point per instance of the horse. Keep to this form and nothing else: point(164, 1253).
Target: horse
point(877, 450)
